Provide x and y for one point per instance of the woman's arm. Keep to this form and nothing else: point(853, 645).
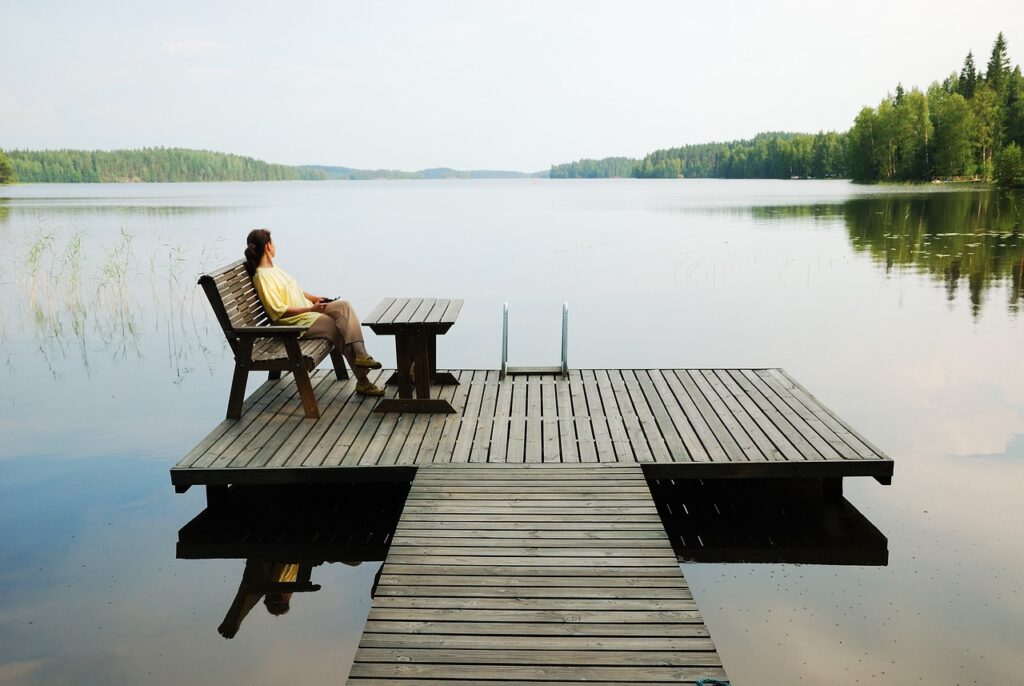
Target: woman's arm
point(315, 307)
point(312, 298)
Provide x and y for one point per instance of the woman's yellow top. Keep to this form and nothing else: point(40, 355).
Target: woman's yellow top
point(279, 290)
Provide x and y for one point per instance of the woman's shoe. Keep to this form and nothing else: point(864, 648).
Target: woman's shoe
point(369, 389)
point(367, 362)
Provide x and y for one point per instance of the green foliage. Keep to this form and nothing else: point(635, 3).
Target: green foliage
point(609, 167)
point(1009, 167)
point(147, 164)
point(956, 129)
point(7, 174)
point(766, 156)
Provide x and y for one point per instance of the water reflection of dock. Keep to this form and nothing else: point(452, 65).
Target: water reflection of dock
point(529, 547)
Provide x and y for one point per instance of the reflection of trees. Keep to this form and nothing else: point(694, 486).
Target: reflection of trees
point(962, 237)
point(970, 237)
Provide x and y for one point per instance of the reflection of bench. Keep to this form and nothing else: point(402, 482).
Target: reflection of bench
point(259, 346)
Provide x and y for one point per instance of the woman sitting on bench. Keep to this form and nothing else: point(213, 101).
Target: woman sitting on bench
point(286, 303)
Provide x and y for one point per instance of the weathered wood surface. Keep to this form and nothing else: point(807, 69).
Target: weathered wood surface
point(677, 423)
point(475, 589)
point(397, 314)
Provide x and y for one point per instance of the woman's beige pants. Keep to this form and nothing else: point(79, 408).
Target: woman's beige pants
point(338, 323)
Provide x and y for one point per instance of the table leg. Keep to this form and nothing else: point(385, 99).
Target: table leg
point(413, 351)
point(421, 363)
point(404, 353)
point(438, 378)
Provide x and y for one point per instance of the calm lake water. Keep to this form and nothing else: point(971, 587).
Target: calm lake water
point(900, 308)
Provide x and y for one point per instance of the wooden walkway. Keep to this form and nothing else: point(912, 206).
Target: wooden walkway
point(532, 573)
point(700, 423)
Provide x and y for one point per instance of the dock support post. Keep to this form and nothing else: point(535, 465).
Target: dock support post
point(832, 489)
point(216, 495)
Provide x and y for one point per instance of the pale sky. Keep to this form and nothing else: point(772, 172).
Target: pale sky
point(477, 84)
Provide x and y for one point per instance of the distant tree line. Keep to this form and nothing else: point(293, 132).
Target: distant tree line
point(766, 156)
point(609, 167)
point(146, 164)
point(773, 155)
point(969, 126)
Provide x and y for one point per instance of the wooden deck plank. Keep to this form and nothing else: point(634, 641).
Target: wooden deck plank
point(597, 418)
point(767, 417)
point(249, 408)
point(613, 414)
point(551, 449)
point(725, 417)
point(533, 598)
point(534, 419)
point(656, 436)
point(740, 406)
point(377, 312)
point(485, 422)
point(861, 446)
point(329, 447)
point(586, 446)
point(498, 449)
point(708, 417)
point(438, 423)
point(799, 424)
point(637, 437)
point(716, 422)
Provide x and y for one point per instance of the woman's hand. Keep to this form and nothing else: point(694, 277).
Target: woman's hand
point(318, 307)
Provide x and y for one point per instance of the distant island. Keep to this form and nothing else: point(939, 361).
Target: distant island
point(968, 127)
point(350, 174)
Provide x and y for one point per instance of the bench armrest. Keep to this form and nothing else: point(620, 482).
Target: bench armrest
point(269, 331)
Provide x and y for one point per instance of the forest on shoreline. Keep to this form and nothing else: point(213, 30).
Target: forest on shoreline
point(146, 165)
point(969, 126)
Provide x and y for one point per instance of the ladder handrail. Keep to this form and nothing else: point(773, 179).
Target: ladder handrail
point(565, 339)
point(504, 341)
point(563, 368)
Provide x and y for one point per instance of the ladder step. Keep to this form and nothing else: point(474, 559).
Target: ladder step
point(521, 371)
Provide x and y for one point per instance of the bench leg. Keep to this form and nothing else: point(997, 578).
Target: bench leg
point(237, 395)
point(301, 378)
point(338, 360)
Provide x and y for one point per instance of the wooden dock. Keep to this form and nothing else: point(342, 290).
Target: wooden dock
point(677, 423)
point(552, 573)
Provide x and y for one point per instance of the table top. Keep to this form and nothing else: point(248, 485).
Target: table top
point(393, 315)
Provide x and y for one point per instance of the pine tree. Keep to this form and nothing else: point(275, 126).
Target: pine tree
point(968, 77)
point(998, 65)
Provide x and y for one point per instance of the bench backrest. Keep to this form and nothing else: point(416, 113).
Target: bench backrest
point(233, 298)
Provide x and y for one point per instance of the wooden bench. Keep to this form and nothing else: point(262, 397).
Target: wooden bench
point(259, 345)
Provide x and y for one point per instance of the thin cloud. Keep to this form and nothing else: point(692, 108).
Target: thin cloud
point(193, 46)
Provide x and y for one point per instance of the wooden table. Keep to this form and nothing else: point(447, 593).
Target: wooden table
point(415, 323)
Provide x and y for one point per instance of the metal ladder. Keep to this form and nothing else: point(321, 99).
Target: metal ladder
point(562, 370)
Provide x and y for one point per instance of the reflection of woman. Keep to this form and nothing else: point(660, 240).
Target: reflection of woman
point(256, 579)
point(286, 303)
